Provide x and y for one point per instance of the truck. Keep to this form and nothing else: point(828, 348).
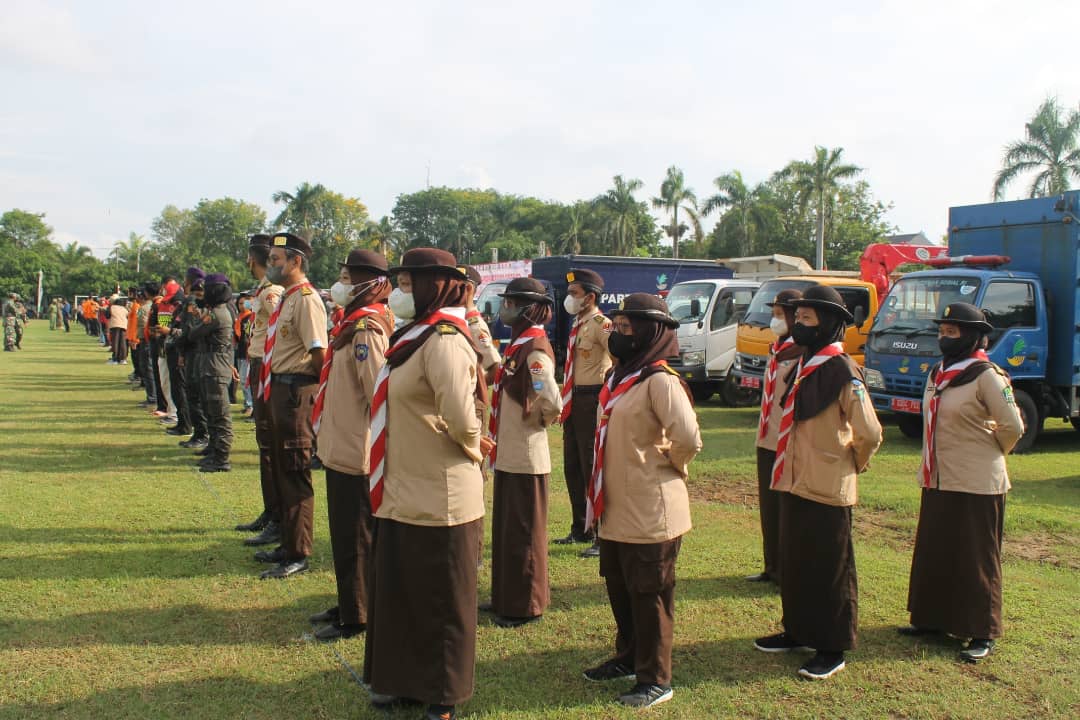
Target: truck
point(1020, 262)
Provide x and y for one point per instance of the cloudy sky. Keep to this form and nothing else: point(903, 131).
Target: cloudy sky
point(111, 110)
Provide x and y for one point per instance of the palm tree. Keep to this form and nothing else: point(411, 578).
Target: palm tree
point(133, 247)
point(301, 206)
point(570, 239)
point(817, 182)
point(1051, 149)
point(385, 236)
point(675, 196)
point(623, 209)
point(73, 253)
point(748, 211)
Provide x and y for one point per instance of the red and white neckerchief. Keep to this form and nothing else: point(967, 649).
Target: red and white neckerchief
point(531, 333)
point(453, 315)
point(328, 358)
point(768, 388)
point(610, 394)
point(568, 371)
point(804, 371)
point(942, 378)
point(472, 314)
point(271, 336)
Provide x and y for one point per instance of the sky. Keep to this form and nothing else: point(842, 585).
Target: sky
point(109, 111)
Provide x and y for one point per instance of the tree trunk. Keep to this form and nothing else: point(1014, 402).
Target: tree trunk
point(675, 233)
point(819, 260)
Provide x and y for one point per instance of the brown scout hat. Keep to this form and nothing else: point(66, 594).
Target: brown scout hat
point(474, 275)
point(965, 315)
point(361, 259)
point(587, 279)
point(823, 297)
point(292, 242)
point(430, 259)
point(644, 305)
point(527, 289)
point(786, 298)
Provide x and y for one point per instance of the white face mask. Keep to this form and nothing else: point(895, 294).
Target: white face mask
point(402, 304)
point(256, 304)
point(573, 304)
point(341, 293)
point(778, 326)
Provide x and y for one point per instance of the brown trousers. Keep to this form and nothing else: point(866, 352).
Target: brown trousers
point(641, 589)
point(290, 412)
point(264, 438)
point(579, 432)
point(769, 510)
point(348, 505)
point(421, 633)
point(519, 555)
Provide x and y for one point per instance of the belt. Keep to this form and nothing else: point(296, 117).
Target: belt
point(588, 389)
point(293, 379)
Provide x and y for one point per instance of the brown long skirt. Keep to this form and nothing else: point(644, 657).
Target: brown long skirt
point(348, 506)
point(769, 511)
point(519, 552)
point(956, 569)
point(421, 633)
point(819, 587)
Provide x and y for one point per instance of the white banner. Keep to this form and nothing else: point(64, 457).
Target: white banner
point(497, 272)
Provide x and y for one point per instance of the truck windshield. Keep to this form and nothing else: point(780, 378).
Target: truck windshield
point(759, 313)
point(489, 295)
point(681, 299)
point(905, 320)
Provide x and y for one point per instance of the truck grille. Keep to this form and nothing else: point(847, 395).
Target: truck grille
point(753, 364)
point(903, 385)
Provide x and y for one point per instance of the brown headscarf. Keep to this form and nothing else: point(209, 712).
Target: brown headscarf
point(377, 293)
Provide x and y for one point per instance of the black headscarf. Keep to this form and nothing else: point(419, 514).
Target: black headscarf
point(822, 388)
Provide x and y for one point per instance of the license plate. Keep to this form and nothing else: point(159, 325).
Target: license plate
point(906, 405)
point(749, 382)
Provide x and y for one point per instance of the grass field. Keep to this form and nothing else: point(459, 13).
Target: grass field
point(125, 594)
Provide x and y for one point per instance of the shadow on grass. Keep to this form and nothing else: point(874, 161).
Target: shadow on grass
point(568, 597)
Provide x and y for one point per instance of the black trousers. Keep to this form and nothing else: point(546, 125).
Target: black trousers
point(579, 432)
point(215, 392)
point(194, 391)
point(159, 392)
point(348, 505)
point(148, 370)
point(178, 390)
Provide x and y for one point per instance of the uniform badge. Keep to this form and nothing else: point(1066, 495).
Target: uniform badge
point(306, 291)
point(485, 339)
point(538, 385)
point(361, 352)
point(361, 324)
point(446, 329)
point(284, 331)
point(536, 368)
point(1007, 393)
point(859, 388)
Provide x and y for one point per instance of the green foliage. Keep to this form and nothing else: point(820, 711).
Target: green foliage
point(1050, 149)
point(213, 235)
point(332, 223)
point(675, 196)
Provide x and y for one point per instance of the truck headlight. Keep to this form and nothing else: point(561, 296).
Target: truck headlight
point(874, 379)
point(737, 364)
point(693, 358)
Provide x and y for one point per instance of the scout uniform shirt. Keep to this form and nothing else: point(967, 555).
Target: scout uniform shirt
point(267, 297)
point(772, 430)
point(301, 328)
point(978, 425)
point(350, 387)
point(523, 444)
point(651, 438)
point(591, 359)
point(481, 335)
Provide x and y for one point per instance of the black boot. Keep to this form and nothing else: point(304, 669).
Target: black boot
point(269, 535)
point(255, 525)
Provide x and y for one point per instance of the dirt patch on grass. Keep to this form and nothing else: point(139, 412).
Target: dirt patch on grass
point(1059, 550)
point(723, 489)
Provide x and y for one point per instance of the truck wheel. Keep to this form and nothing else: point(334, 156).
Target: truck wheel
point(1032, 421)
point(736, 396)
point(911, 426)
point(702, 391)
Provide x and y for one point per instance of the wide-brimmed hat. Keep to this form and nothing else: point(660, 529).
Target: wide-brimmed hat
point(527, 289)
point(474, 275)
point(786, 298)
point(644, 305)
point(965, 315)
point(823, 297)
point(292, 242)
point(361, 259)
point(430, 260)
point(588, 279)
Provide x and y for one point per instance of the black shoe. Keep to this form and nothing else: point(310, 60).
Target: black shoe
point(215, 466)
point(386, 702)
point(330, 633)
point(573, 539)
point(326, 616)
point(204, 451)
point(272, 557)
point(778, 643)
point(593, 551)
point(255, 525)
point(760, 577)
point(286, 569)
point(440, 712)
point(823, 665)
point(513, 622)
point(176, 431)
point(609, 670)
point(485, 607)
point(269, 535)
point(976, 650)
point(915, 631)
point(645, 695)
point(195, 443)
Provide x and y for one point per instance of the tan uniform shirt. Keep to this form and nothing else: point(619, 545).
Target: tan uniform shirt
point(118, 317)
point(481, 335)
point(591, 359)
point(523, 444)
point(651, 438)
point(267, 297)
point(772, 430)
point(433, 475)
point(346, 418)
point(301, 328)
point(826, 453)
point(978, 425)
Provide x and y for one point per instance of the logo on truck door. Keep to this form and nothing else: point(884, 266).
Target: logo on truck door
point(1016, 357)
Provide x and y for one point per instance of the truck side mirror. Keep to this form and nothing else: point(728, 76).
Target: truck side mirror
point(695, 308)
point(860, 316)
point(487, 308)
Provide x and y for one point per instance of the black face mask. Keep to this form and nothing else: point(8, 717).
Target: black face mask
point(805, 335)
point(954, 350)
point(621, 346)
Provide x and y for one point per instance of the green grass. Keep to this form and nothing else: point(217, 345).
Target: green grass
point(124, 594)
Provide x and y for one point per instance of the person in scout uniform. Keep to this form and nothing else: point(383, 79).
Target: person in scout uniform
point(9, 322)
point(478, 328)
point(426, 493)
point(971, 423)
point(525, 401)
point(587, 362)
point(783, 356)
point(213, 333)
point(828, 433)
point(264, 302)
point(296, 342)
point(647, 434)
point(342, 420)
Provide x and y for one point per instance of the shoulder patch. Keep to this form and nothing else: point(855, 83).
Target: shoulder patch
point(446, 329)
point(473, 321)
point(671, 371)
point(600, 319)
point(536, 368)
point(858, 388)
point(306, 291)
point(361, 324)
point(362, 352)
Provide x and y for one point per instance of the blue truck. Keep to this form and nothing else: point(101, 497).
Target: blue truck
point(1018, 261)
point(622, 276)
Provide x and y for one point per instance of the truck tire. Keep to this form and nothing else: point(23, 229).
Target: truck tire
point(702, 392)
point(735, 396)
point(1032, 420)
point(911, 426)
